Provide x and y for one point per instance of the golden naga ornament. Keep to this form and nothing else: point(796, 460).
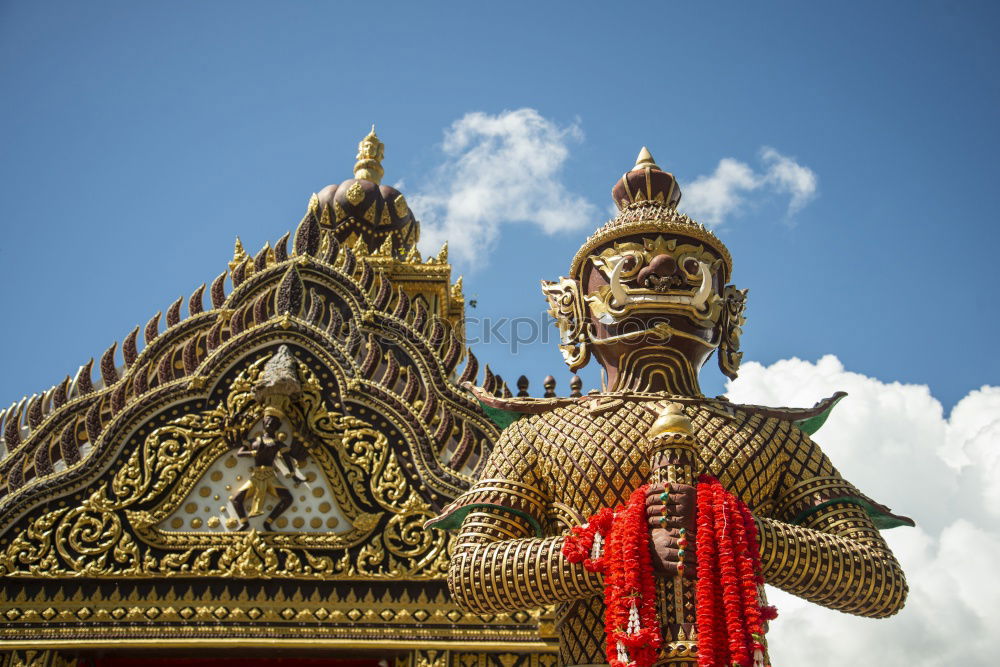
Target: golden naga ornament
point(648, 296)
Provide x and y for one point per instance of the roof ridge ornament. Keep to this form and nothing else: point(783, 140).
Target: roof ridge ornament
point(371, 152)
point(364, 207)
point(239, 255)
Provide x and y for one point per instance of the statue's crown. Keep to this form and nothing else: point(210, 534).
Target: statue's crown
point(646, 182)
point(647, 200)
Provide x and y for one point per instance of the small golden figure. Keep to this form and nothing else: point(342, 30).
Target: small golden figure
point(263, 480)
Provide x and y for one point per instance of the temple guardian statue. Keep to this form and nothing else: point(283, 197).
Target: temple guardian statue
point(648, 296)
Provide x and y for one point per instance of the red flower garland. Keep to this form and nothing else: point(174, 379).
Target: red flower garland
point(708, 600)
point(630, 623)
point(730, 617)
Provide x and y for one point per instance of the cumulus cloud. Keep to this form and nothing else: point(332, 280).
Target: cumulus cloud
point(711, 199)
point(894, 442)
point(498, 170)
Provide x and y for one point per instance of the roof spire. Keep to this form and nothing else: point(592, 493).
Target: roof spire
point(370, 154)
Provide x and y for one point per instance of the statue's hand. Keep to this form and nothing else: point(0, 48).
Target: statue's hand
point(671, 529)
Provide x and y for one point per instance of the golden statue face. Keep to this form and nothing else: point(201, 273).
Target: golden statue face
point(655, 275)
point(646, 291)
point(370, 148)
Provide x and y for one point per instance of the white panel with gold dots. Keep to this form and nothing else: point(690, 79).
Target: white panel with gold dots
point(207, 508)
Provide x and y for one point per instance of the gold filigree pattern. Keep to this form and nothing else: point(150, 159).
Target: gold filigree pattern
point(184, 612)
point(96, 539)
point(355, 193)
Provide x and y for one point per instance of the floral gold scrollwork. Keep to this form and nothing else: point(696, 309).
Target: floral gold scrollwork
point(355, 193)
point(116, 531)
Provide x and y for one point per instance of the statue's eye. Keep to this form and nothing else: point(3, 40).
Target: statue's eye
point(691, 266)
point(630, 263)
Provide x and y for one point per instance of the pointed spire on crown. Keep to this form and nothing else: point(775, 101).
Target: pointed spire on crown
point(646, 182)
point(645, 159)
point(239, 255)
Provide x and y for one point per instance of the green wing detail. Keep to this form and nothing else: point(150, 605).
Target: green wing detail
point(453, 520)
point(882, 520)
point(500, 417)
point(812, 424)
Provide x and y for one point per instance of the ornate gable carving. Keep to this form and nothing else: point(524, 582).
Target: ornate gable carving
point(126, 484)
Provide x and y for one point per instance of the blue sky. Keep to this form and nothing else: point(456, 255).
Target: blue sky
point(846, 153)
point(140, 138)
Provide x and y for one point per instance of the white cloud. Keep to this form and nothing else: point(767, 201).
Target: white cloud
point(506, 168)
point(497, 170)
point(713, 198)
point(893, 441)
point(789, 177)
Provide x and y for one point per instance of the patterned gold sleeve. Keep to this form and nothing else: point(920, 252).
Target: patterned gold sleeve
point(823, 546)
point(501, 562)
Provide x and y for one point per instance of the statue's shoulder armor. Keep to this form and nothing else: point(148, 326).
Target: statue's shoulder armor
point(505, 411)
point(807, 420)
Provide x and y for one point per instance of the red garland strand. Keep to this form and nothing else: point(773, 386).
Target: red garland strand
point(730, 618)
point(630, 624)
point(731, 598)
point(707, 606)
point(748, 583)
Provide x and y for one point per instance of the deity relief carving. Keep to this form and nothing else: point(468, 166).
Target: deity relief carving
point(263, 482)
point(275, 411)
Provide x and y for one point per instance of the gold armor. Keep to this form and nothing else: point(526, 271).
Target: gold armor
point(551, 471)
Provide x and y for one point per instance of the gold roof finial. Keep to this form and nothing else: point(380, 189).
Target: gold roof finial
point(371, 151)
point(239, 255)
point(645, 159)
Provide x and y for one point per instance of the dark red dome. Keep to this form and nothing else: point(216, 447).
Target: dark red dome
point(361, 208)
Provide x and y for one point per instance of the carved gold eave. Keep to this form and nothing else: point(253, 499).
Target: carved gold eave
point(178, 616)
point(461, 644)
point(430, 280)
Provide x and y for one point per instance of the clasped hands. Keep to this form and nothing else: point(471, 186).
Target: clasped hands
point(670, 511)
